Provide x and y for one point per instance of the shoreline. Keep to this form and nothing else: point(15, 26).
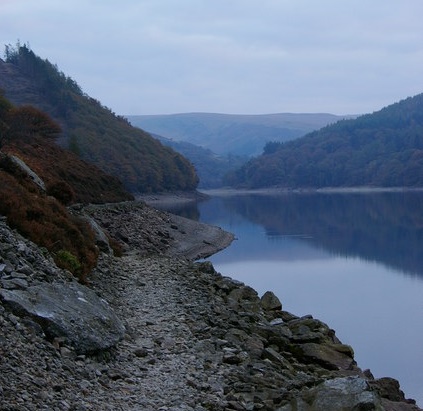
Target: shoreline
point(154, 231)
point(194, 340)
point(221, 192)
point(163, 199)
point(191, 240)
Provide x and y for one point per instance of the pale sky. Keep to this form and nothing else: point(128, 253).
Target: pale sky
point(228, 56)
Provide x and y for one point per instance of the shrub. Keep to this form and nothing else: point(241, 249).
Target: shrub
point(66, 260)
point(46, 222)
point(62, 191)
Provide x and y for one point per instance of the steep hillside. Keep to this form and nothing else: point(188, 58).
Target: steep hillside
point(92, 131)
point(380, 149)
point(37, 180)
point(23, 134)
point(224, 134)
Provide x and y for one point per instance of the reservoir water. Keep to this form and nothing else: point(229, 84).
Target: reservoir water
point(352, 260)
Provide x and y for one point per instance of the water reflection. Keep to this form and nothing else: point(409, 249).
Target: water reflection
point(381, 227)
point(337, 257)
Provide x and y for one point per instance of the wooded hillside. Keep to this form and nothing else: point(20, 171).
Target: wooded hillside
point(381, 149)
point(92, 131)
point(210, 167)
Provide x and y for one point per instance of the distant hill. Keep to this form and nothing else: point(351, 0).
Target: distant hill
point(91, 130)
point(241, 135)
point(210, 167)
point(380, 149)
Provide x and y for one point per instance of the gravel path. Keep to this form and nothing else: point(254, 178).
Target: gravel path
point(159, 359)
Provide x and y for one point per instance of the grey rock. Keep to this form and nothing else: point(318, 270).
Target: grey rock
point(69, 310)
point(14, 283)
point(20, 274)
point(274, 356)
point(277, 321)
point(348, 393)
point(100, 237)
point(244, 297)
point(389, 388)
point(331, 357)
point(34, 176)
point(269, 301)
point(25, 270)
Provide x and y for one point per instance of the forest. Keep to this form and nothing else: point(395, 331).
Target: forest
point(92, 131)
point(382, 149)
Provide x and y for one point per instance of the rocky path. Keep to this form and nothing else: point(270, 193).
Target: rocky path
point(160, 352)
point(199, 341)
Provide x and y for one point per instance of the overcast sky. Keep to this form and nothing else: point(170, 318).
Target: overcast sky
point(228, 56)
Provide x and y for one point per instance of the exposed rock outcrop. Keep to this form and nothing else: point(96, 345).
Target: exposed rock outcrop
point(32, 287)
point(145, 230)
point(34, 176)
point(68, 311)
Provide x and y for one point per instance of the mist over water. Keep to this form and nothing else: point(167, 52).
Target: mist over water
point(354, 261)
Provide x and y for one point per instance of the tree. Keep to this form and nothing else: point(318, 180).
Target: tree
point(271, 147)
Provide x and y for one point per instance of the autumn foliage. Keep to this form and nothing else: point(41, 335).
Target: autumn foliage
point(44, 220)
point(42, 216)
point(93, 132)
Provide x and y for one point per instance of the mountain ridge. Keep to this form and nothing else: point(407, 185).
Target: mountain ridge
point(384, 148)
point(237, 134)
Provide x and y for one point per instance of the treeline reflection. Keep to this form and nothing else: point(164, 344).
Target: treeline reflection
point(384, 227)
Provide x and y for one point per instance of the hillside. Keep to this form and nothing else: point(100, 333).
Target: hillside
point(38, 179)
point(91, 130)
point(241, 135)
point(210, 167)
point(382, 149)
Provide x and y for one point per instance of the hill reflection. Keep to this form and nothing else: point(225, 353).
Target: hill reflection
point(383, 227)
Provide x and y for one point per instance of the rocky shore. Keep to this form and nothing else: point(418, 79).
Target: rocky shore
point(156, 330)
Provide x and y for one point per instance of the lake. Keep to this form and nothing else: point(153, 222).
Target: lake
point(352, 260)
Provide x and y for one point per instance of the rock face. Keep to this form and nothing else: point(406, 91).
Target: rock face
point(194, 340)
point(68, 311)
point(34, 288)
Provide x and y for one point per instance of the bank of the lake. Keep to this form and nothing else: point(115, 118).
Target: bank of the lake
point(349, 257)
point(194, 340)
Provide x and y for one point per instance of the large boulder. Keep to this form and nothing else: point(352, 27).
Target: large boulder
point(329, 356)
point(269, 301)
point(68, 310)
point(344, 393)
point(31, 173)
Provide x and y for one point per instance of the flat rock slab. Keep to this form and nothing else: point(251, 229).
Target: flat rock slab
point(70, 311)
point(194, 240)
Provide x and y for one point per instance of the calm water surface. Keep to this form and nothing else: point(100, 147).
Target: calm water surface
point(354, 261)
